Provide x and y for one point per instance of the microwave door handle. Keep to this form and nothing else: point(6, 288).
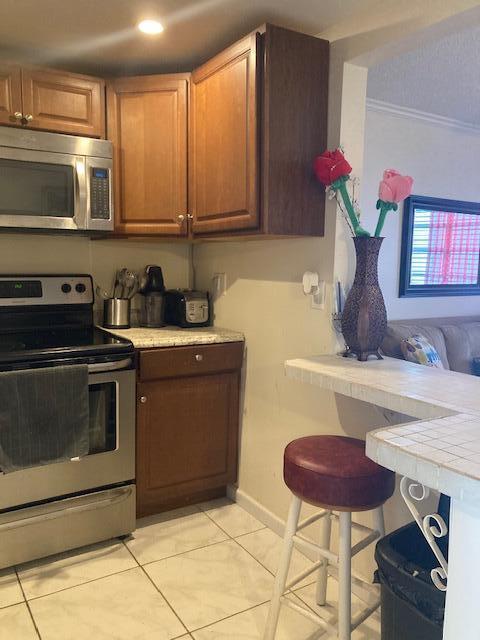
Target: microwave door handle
point(80, 193)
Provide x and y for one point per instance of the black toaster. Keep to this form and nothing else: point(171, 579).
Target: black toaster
point(187, 308)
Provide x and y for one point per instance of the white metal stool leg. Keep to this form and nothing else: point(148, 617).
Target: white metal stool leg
point(379, 521)
point(345, 576)
point(282, 572)
point(322, 578)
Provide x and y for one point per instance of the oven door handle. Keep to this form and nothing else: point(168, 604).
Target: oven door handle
point(103, 367)
point(117, 495)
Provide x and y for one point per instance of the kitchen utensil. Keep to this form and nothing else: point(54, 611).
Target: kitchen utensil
point(101, 293)
point(130, 284)
point(116, 284)
point(152, 280)
point(116, 313)
point(152, 289)
point(134, 287)
point(122, 279)
point(152, 311)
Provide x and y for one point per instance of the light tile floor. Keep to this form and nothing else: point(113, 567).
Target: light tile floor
point(201, 573)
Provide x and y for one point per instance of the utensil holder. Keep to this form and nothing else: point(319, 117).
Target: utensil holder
point(116, 313)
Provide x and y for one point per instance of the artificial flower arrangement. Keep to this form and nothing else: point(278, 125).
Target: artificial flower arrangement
point(333, 170)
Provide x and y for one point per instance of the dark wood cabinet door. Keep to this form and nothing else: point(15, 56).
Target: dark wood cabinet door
point(224, 184)
point(147, 123)
point(10, 93)
point(64, 102)
point(187, 430)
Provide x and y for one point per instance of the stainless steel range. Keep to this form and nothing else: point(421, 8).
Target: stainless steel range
point(47, 321)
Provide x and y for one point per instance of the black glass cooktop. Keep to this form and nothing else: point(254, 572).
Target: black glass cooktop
point(71, 342)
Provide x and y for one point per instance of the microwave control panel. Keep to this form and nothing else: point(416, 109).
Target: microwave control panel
point(100, 194)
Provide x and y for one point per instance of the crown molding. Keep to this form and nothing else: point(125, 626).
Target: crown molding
point(424, 116)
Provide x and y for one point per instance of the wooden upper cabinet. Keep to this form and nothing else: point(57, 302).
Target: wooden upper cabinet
point(285, 73)
point(10, 93)
point(224, 179)
point(294, 132)
point(147, 123)
point(63, 102)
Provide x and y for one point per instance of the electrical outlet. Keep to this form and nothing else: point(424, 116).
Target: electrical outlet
point(318, 298)
point(219, 281)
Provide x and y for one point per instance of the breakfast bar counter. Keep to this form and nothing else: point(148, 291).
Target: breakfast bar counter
point(439, 450)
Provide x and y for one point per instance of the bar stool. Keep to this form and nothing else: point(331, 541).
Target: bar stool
point(333, 473)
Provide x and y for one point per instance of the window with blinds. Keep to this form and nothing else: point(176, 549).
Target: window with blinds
point(440, 247)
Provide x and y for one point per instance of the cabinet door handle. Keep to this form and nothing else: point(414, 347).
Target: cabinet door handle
point(189, 216)
point(143, 399)
point(17, 115)
point(181, 218)
point(198, 357)
point(28, 117)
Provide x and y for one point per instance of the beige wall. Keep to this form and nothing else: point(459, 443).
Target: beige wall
point(29, 253)
point(265, 300)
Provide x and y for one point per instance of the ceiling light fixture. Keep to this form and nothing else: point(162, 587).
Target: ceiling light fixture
point(150, 27)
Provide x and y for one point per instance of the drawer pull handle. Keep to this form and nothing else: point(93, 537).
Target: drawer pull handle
point(143, 399)
point(198, 357)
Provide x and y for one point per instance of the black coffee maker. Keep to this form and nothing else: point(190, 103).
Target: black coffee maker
point(152, 289)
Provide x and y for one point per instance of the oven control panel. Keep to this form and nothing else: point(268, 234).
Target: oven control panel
point(28, 290)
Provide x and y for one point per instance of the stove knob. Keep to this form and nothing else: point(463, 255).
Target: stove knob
point(66, 288)
point(80, 287)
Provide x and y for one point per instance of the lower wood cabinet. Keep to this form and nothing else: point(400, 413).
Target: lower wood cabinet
point(187, 424)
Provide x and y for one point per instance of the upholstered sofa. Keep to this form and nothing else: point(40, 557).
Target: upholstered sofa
point(457, 340)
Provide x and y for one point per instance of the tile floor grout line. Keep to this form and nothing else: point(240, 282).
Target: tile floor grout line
point(181, 553)
point(265, 567)
point(108, 575)
point(232, 615)
point(221, 529)
point(27, 604)
point(226, 532)
point(166, 600)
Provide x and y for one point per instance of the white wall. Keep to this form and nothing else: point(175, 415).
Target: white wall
point(29, 253)
point(444, 163)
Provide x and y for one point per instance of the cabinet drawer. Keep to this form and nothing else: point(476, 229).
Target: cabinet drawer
point(190, 361)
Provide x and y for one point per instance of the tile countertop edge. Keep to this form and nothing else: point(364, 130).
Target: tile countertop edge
point(144, 338)
point(414, 449)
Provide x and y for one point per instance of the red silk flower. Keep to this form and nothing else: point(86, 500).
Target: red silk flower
point(331, 166)
point(394, 187)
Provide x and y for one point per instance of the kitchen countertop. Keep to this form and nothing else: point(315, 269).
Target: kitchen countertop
point(442, 449)
point(144, 338)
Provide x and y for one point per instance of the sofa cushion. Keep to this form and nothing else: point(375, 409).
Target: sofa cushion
point(391, 345)
point(417, 349)
point(463, 344)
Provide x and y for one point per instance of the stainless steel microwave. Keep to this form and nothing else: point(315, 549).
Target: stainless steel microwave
point(52, 181)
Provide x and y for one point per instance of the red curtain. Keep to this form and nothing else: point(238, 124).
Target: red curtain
point(453, 248)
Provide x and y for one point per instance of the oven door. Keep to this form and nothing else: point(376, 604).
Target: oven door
point(42, 190)
point(111, 458)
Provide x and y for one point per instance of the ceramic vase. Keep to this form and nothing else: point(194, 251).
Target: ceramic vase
point(364, 318)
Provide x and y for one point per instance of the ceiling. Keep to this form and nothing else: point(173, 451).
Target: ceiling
point(440, 78)
point(99, 36)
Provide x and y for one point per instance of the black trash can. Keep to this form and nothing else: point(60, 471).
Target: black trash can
point(412, 607)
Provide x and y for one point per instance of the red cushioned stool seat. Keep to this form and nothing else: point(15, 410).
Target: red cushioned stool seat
point(333, 472)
